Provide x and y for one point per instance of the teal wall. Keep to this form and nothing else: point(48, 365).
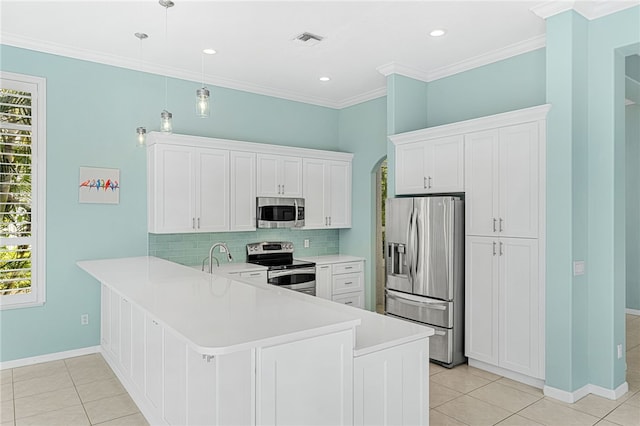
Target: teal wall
point(586, 196)
point(633, 206)
point(92, 113)
point(191, 249)
point(514, 83)
point(363, 131)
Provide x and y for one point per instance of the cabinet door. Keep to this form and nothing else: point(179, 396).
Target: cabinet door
point(445, 171)
point(268, 181)
point(114, 318)
point(153, 362)
point(243, 191)
point(391, 386)
point(355, 299)
point(212, 190)
point(310, 379)
point(518, 214)
point(323, 281)
point(481, 299)
point(125, 336)
point(137, 347)
point(410, 168)
point(339, 194)
point(314, 183)
point(174, 193)
point(481, 181)
point(175, 380)
point(105, 317)
point(520, 317)
point(291, 176)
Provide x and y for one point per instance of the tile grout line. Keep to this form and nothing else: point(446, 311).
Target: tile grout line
point(77, 393)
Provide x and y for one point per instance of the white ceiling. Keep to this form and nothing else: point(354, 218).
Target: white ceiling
point(254, 40)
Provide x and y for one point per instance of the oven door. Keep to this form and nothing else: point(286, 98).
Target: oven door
point(298, 279)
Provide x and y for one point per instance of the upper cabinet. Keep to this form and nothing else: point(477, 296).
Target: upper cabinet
point(188, 189)
point(198, 184)
point(429, 166)
point(279, 176)
point(327, 193)
point(502, 181)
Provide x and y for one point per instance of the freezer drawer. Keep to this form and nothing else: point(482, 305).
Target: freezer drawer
point(420, 309)
point(441, 345)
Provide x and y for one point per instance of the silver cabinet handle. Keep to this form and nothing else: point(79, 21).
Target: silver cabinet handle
point(329, 220)
point(494, 248)
point(193, 222)
point(255, 274)
point(348, 283)
point(439, 333)
point(324, 267)
point(501, 250)
point(494, 224)
point(198, 223)
point(500, 225)
point(283, 189)
point(424, 183)
point(429, 182)
point(278, 189)
point(348, 303)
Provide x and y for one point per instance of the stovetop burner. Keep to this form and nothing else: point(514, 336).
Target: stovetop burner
point(275, 255)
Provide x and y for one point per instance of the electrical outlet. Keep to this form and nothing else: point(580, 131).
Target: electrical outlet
point(620, 351)
point(84, 319)
point(306, 243)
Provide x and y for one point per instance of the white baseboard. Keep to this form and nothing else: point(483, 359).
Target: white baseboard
point(633, 311)
point(576, 395)
point(48, 357)
point(518, 377)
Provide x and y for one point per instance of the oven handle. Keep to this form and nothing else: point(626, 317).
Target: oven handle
point(294, 271)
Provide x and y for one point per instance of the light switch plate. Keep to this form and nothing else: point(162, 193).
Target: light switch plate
point(578, 267)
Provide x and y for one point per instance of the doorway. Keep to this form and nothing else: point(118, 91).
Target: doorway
point(381, 197)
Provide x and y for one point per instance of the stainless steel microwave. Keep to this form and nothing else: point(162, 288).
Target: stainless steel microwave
point(275, 212)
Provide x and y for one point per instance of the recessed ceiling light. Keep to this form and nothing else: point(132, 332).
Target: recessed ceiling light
point(325, 78)
point(438, 32)
point(209, 51)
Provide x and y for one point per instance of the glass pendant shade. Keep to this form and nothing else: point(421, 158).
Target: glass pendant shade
point(202, 102)
point(142, 136)
point(166, 125)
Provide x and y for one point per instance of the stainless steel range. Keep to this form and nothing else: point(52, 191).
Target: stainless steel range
point(282, 269)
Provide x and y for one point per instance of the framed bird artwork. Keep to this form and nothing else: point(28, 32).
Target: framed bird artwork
point(99, 185)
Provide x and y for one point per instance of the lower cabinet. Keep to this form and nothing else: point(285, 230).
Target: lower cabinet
point(504, 322)
point(341, 282)
point(306, 382)
point(387, 389)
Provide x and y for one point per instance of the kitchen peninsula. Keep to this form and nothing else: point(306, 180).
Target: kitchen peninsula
point(195, 348)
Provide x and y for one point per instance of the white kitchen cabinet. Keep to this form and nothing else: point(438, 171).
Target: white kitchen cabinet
point(137, 347)
point(323, 281)
point(114, 318)
point(502, 181)
point(125, 336)
point(430, 166)
point(243, 191)
point(174, 379)
point(153, 363)
point(307, 381)
point(188, 189)
point(327, 193)
point(279, 176)
point(391, 386)
point(503, 305)
point(105, 317)
point(259, 276)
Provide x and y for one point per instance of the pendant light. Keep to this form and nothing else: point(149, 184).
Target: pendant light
point(203, 94)
point(141, 131)
point(166, 118)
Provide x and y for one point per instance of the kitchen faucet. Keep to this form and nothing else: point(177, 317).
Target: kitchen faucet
point(211, 257)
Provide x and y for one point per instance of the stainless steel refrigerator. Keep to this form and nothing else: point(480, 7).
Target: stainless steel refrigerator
point(424, 253)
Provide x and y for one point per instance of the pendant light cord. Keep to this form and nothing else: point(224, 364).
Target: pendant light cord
point(166, 50)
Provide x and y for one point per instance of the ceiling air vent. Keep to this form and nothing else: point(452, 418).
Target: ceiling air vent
point(308, 39)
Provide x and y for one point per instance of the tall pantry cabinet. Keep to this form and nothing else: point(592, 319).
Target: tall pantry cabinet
point(504, 246)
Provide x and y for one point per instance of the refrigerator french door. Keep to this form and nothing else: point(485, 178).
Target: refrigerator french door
point(424, 253)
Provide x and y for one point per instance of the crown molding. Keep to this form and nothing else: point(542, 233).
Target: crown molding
point(590, 9)
point(364, 97)
point(396, 68)
point(507, 52)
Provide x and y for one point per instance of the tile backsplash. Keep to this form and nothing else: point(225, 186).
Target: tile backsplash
point(191, 249)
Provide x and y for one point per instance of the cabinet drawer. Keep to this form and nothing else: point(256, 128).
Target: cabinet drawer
point(352, 299)
point(347, 283)
point(347, 268)
point(255, 275)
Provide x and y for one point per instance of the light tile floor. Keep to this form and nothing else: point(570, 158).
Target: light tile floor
point(84, 391)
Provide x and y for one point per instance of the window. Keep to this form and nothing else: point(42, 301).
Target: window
point(22, 190)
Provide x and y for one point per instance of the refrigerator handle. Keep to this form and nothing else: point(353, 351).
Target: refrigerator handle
point(409, 249)
point(416, 246)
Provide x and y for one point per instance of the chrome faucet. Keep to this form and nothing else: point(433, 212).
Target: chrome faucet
point(211, 257)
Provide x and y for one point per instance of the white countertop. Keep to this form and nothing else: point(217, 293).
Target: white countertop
point(217, 314)
point(233, 268)
point(331, 258)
